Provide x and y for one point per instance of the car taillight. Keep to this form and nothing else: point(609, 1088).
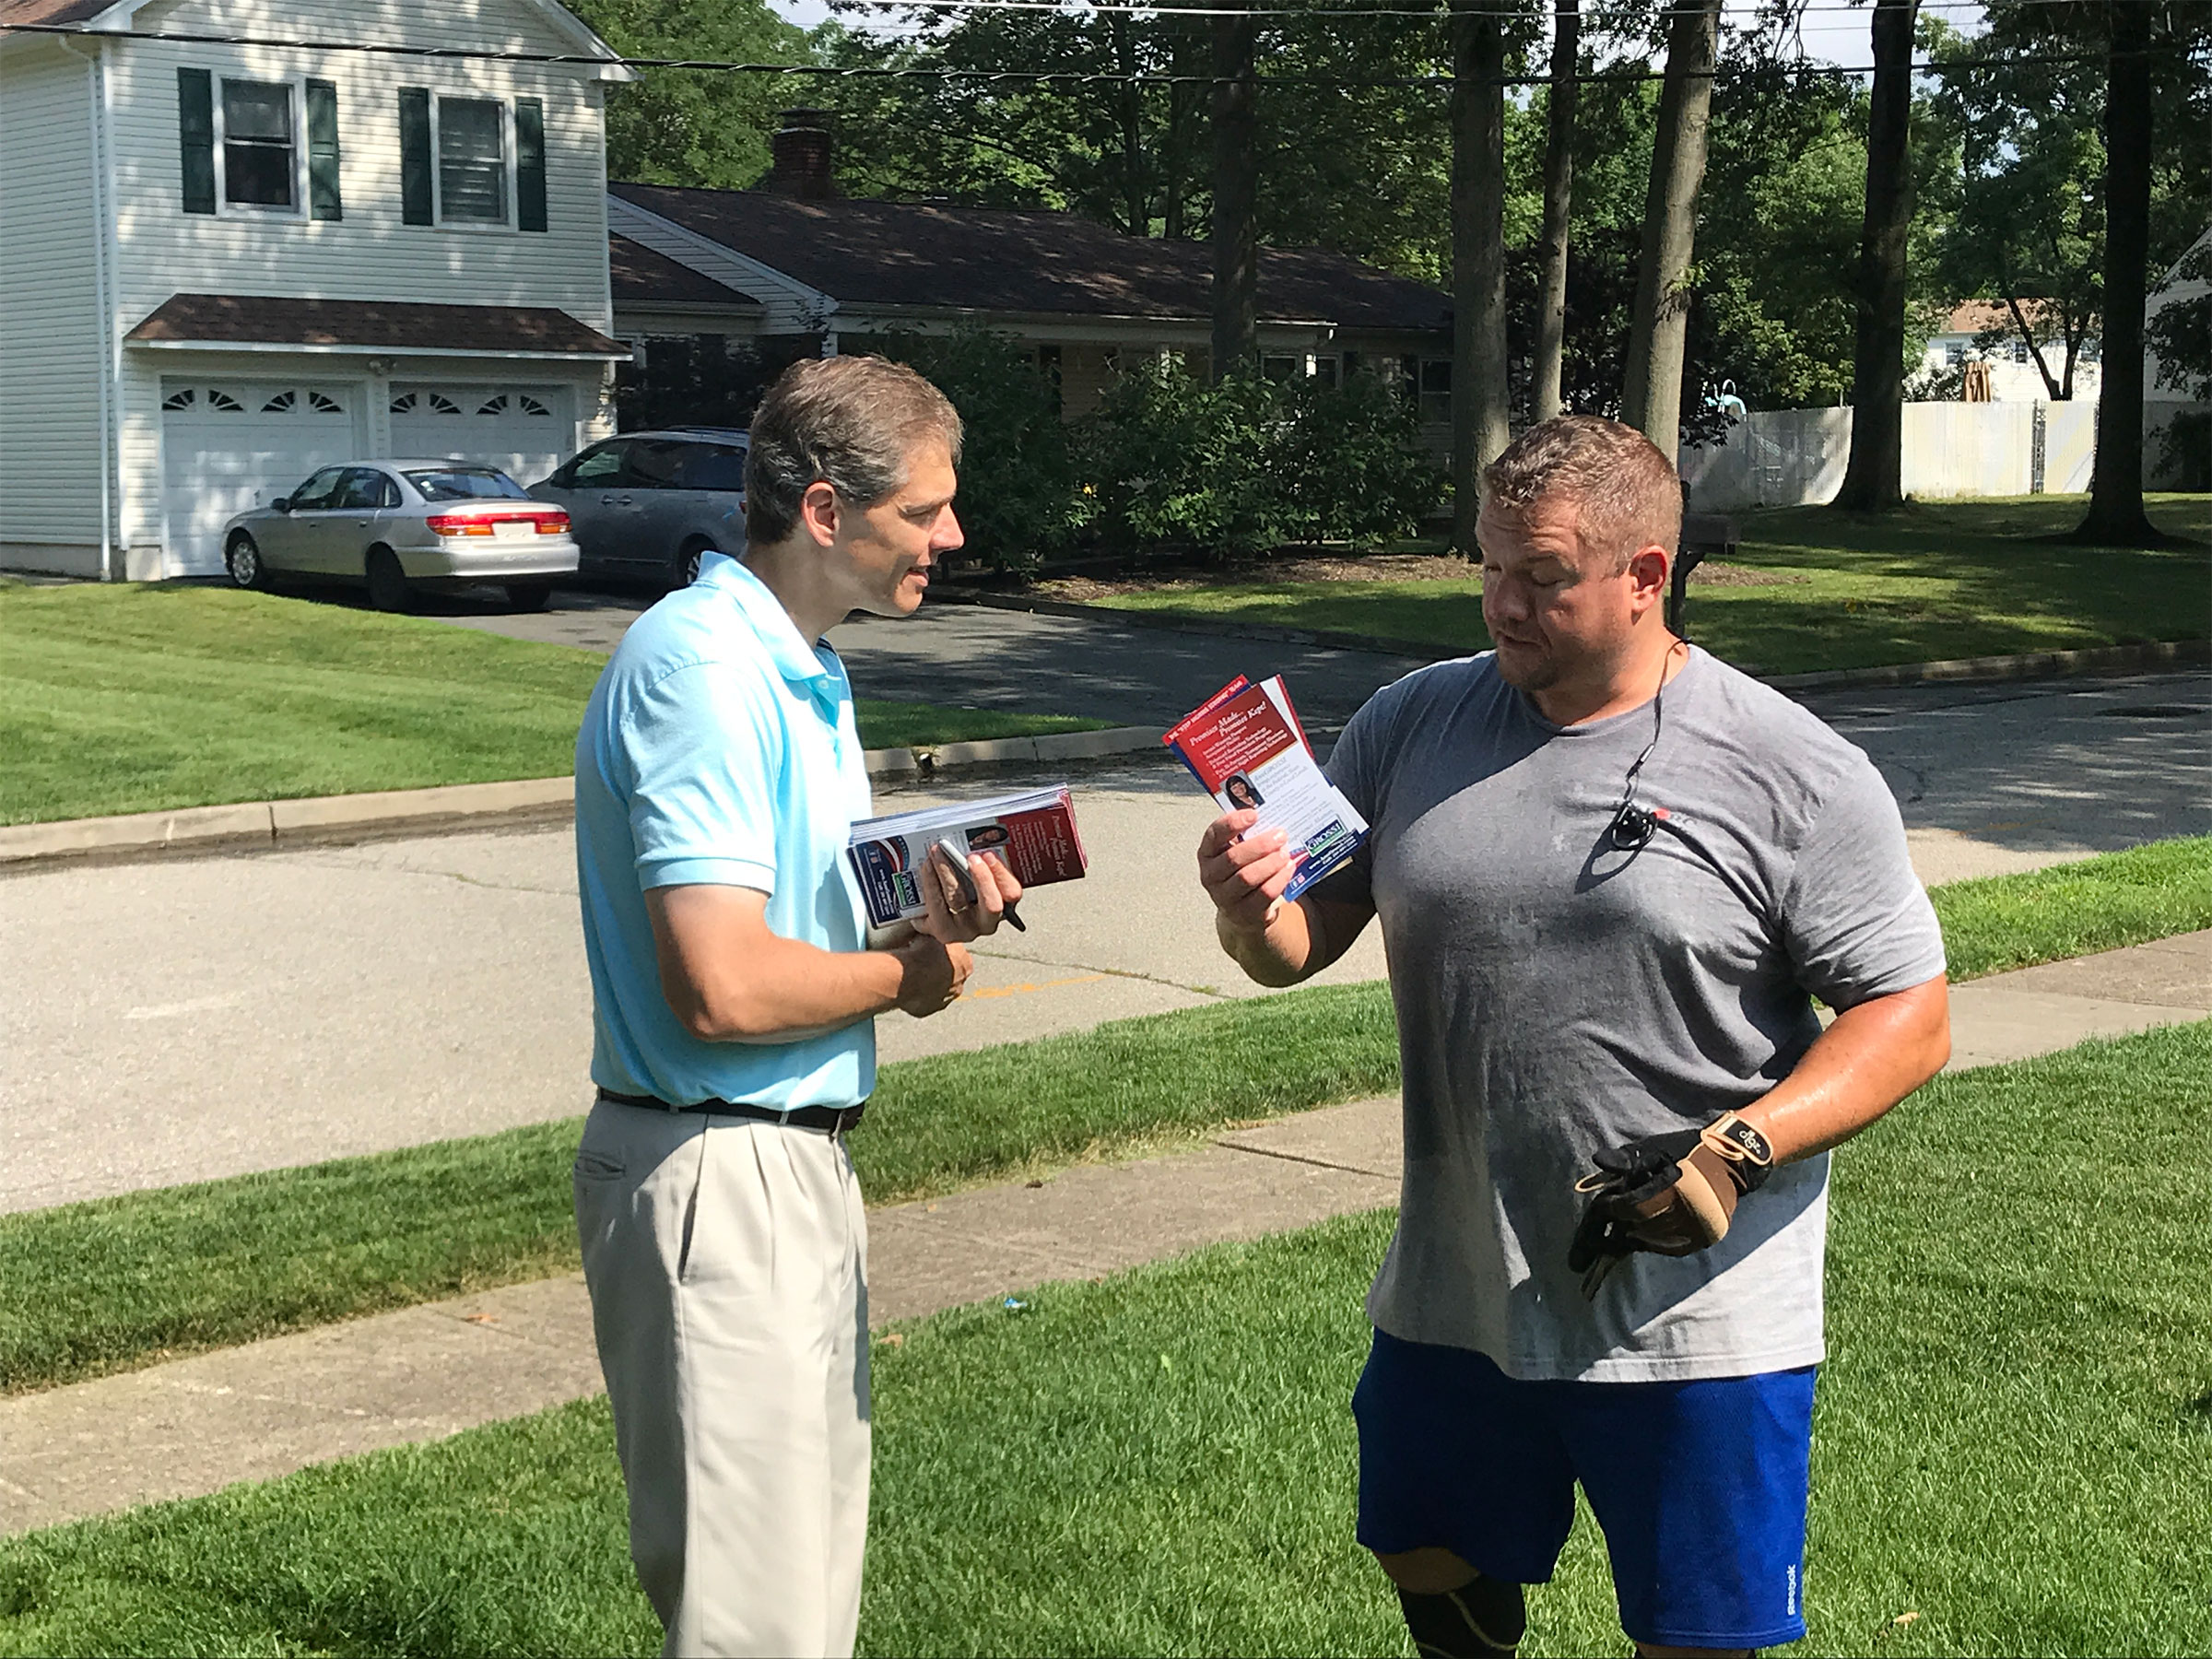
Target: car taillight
point(458, 524)
point(552, 524)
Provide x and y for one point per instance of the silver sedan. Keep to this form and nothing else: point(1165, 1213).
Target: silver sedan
point(404, 526)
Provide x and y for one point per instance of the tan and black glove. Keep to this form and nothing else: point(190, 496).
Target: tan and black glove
point(1673, 1194)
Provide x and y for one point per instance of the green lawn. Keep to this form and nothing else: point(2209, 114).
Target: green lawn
point(2102, 903)
point(1943, 579)
point(2014, 1441)
point(128, 699)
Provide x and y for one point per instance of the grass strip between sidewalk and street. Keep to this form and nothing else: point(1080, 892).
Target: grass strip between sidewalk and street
point(1814, 589)
point(2012, 1443)
point(2149, 892)
point(122, 1282)
point(129, 699)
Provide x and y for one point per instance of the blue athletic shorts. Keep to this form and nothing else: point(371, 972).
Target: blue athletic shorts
point(1699, 1486)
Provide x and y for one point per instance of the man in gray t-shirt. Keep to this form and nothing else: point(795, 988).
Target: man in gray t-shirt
point(1612, 873)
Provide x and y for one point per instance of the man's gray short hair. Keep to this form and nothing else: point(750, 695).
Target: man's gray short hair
point(850, 422)
point(1625, 492)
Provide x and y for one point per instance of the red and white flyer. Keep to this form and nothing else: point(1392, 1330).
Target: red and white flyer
point(1246, 749)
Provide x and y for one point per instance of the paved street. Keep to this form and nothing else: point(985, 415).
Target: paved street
point(972, 657)
point(198, 1016)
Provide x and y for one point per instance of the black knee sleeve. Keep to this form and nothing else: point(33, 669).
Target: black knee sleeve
point(1481, 1620)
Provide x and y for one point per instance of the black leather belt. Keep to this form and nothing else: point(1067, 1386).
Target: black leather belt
point(833, 1120)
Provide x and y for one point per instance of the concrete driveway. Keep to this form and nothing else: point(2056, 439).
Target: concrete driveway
point(197, 1017)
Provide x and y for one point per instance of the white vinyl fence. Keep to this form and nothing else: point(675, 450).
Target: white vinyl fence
point(1797, 457)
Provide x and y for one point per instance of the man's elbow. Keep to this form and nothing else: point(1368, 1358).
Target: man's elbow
point(722, 1015)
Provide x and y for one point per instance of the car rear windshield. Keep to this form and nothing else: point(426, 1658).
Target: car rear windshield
point(466, 483)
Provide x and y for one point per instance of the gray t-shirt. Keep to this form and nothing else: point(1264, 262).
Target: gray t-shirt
point(1555, 995)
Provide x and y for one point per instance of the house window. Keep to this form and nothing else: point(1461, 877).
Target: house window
point(261, 162)
point(1954, 353)
point(1436, 391)
point(1324, 369)
point(1278, 368)
point(472, 162)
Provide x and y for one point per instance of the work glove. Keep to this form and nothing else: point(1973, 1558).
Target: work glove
point(1673, 1194)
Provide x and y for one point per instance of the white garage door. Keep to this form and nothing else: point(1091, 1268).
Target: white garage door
point(522, 430)
point(228, 446)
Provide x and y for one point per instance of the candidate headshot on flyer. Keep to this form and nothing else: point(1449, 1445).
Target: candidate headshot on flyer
point(1242, 796)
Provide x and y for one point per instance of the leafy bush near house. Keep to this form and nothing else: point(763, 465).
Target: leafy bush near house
point(1019, 500)
point(1234, 468)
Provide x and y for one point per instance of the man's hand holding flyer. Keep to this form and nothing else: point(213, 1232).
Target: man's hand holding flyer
point(1246, 749)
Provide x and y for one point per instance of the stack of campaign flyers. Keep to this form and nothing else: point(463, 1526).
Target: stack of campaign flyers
point(1034, 832)
point(1246, 749)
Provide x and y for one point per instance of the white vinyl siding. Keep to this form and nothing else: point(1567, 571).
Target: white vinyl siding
point(51, 343)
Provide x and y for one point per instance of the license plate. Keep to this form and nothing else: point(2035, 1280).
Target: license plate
point(512, 529)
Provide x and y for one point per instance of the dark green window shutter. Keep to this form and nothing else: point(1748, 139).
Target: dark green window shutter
point(195, 133)
point(322, 200)
point(414, 155)
point(530, 163)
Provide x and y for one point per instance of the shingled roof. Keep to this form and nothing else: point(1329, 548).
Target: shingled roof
point(907, 254)
point(641, 276)
point(369, 325)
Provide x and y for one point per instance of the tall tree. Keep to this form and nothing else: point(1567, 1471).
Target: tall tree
point(1561, 97)
point(2116, 515)
point(1874, 478)
point(678, 126)
point(1480, 432)
point(1236, 191)
point(1652, 387)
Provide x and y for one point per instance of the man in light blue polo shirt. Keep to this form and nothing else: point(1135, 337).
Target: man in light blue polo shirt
point(718, 775)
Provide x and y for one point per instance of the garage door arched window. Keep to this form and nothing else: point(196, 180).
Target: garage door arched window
point(424, 402)
point(180, 400)
point(518, 403)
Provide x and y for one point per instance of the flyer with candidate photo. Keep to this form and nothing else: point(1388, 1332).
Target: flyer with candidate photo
point(1245, 747)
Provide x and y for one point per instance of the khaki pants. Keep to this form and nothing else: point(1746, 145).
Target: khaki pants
point(727, 1262)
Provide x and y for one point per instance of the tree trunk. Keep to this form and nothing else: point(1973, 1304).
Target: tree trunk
point(1558, 196)
point(1650, 398)
point(2116, 517)
point(1479, 430)
point(1134, 184)
point(1236, 190)
point(1874, 481)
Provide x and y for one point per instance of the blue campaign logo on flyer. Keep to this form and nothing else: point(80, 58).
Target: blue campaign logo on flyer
point(885, 882)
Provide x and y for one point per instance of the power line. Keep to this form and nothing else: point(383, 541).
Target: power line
point(1032, 77)
point(1435, 14)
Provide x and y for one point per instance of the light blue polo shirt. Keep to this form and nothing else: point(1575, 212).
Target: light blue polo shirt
point(718, 749)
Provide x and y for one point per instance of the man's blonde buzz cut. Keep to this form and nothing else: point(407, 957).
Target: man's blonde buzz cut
point(1626, 493)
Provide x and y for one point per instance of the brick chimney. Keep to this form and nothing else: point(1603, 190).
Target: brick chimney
point(802, 149)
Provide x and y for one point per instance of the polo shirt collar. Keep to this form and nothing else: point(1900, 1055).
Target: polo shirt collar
point(816, 669)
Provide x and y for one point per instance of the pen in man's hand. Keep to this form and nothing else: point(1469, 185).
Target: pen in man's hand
point(957, 862)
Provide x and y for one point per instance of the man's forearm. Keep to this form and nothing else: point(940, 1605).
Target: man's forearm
point(1872, 1057)
point(786, 992)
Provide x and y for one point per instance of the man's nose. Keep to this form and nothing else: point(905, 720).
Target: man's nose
point(949, 537)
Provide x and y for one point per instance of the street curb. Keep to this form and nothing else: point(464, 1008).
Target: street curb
point(2036, 665)
point(523, 802)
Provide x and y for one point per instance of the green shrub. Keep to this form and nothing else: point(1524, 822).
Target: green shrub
point(1018, 503)
point(1235, 468)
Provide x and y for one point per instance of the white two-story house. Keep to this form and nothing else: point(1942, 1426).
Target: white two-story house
point(239, 242)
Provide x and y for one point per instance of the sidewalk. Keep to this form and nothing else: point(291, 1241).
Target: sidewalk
point(256, 1412)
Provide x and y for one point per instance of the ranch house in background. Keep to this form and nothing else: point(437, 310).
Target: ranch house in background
point(719, 289)
point(223, 267)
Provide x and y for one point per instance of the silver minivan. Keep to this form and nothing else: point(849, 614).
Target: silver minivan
point(648, 504)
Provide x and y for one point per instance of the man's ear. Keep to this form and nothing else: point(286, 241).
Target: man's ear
point(818, 513)
point(1648, 574)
